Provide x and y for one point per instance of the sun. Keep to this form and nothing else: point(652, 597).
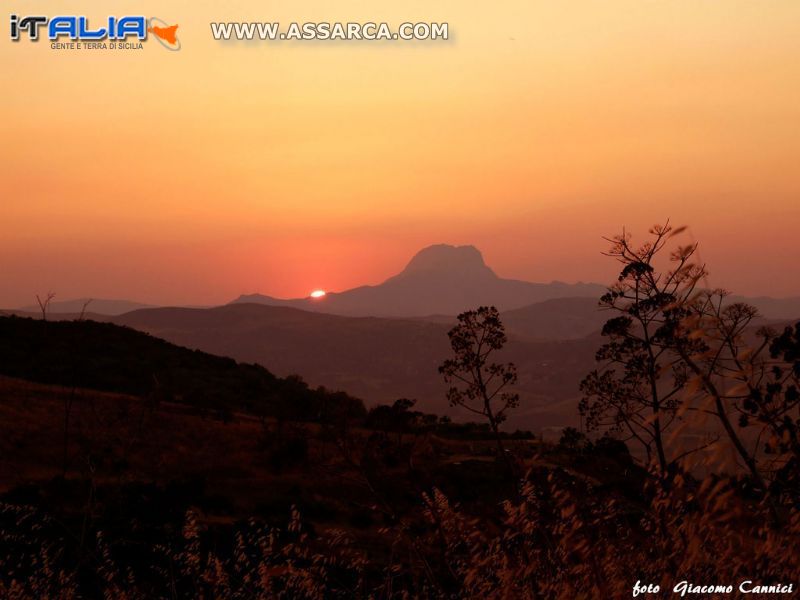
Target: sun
point(318, 293)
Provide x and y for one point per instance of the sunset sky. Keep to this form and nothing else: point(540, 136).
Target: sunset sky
point(282, 167)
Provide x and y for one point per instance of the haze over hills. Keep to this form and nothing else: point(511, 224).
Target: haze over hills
point(553, 331)
point(557, 319)
point(444, 280)
point(386, 342)
point(438, 283)
point(440, 279)
point(772, 308)
point(376, 359)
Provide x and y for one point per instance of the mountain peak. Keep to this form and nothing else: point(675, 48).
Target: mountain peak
point(444, 258)
point(439, 280)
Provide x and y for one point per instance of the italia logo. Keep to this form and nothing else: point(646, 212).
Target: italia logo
point(78, 29)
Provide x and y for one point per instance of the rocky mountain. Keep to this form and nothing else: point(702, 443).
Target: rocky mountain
point(440, 279)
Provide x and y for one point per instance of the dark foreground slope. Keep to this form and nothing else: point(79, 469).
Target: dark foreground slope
point(104, 356)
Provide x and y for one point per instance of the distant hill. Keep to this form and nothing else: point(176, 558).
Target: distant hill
point(559, 319)
point(377, 359)
point(773, 308)
point(439, 280)
point(92, 305)
point(551, 320)
point(382, 359)
point(107, 357)
point(573, 318)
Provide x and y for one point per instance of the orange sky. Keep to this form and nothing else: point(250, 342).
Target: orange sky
point(541, 126)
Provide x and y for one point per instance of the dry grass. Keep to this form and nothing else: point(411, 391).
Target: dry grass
point(564, 534)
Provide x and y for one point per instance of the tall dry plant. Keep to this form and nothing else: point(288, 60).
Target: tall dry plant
point(478, 383)
point(638, 389)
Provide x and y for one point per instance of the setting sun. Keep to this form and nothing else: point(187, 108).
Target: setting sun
point(318, 293)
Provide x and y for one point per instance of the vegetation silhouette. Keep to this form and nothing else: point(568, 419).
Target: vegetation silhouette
point(477, 383)
point(301, 493)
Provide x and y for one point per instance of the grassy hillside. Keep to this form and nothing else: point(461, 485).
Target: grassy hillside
point(139, 477)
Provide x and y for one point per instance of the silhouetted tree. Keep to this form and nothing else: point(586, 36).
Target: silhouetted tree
point(677, 349)
point(480, 385)
point(638, 389)
point(394, 418)
point(711, 340)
